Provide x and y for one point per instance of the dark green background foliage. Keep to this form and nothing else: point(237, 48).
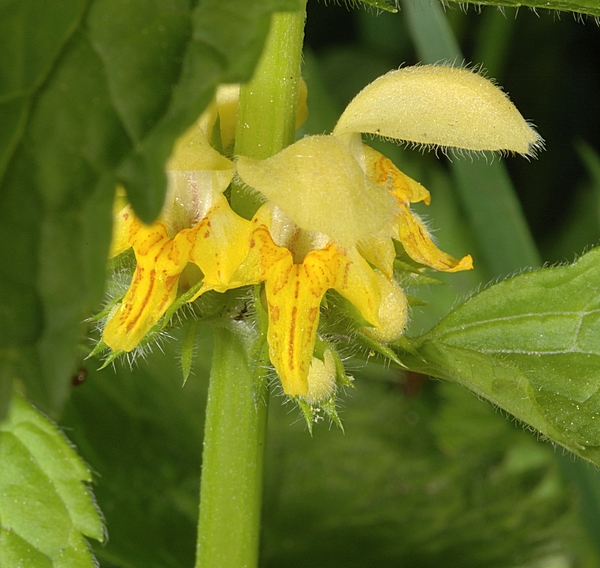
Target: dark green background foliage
point(93, 94)
point(423, 476)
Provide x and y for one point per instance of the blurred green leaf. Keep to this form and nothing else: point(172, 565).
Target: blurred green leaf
point(592, 162)
point(581, 227)
point(94, 94)
point(45, 509)
point(26, 64)
point(530, 345)
point(435, 479)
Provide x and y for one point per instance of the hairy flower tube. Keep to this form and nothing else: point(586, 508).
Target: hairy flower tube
point(333, 209)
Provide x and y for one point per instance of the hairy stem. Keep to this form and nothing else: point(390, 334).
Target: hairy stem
point(236, 414)
point(231, 487)
point(267, 111)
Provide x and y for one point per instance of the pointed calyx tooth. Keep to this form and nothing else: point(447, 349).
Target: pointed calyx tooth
point(440, 106)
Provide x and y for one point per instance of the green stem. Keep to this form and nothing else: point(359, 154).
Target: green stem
point(236, 413)
point(267, 111)
point(231, 485)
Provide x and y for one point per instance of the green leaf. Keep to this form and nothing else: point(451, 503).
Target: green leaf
point(531, 345)
point(590, 7)
point(381, 5)
point(45, 509)
point(91, 95)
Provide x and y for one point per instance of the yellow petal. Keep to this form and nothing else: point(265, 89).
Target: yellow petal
point(191, 194)
point(417, 243)
point(125, 221)
point(393, 311)
point(379, 250)
point(380, 301)
point(262, 254)
point(160, 261)
point(383, 172)
point(193, 151)
point(294, 293)
point(440, 106)
point(218, 245)
point(319, 184)
point(228, 97)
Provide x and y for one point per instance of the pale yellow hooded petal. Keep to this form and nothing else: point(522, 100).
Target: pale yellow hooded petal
point(227, 97)
point(440, 106)
point(321, 187)
point(192, 150)
point(196, 173)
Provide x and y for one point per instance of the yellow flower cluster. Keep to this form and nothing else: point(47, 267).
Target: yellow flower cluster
point(333, 208)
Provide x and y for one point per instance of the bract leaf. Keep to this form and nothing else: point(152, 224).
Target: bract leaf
point(440, 106)
point(531, 345)
point(45, 510)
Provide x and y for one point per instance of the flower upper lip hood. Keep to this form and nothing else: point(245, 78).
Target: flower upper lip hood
point(334, 208)
point(441, 106)
point(322, 187)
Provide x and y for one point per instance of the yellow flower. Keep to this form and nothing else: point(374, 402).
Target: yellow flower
point(334, 208)
point(329, 224)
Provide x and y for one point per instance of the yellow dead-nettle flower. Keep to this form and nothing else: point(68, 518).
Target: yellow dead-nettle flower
point(334, 207)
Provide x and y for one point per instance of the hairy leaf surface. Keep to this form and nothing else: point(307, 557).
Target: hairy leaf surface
point(531, 345)
point(46, 509)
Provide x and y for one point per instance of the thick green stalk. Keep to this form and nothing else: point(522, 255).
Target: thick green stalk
point(267, 111)
point(231, 486)
point(236, 414)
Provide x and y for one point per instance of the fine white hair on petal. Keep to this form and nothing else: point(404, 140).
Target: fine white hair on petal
point(440, 106)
